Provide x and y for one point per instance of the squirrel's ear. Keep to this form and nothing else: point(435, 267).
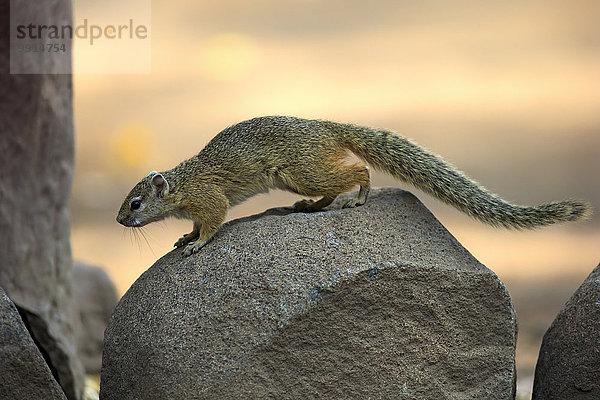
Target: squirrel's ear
point(159, 185)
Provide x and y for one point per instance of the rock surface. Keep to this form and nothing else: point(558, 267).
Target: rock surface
point(95, 297)
point(568, 366)
point(23, 372)
point(378, 301)
point(36, 167)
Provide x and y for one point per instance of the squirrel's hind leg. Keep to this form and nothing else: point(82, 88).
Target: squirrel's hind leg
point(328, 180)
point(363, 193)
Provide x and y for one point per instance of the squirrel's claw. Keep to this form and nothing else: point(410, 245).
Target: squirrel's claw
point(193, 248)
point(303, 205)
point(185, 239)
point(353, 203)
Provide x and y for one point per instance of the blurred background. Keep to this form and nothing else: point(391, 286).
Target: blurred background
point(509, 92)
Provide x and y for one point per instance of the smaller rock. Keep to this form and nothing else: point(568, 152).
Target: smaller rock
point(24, 373)
point(95, 297)
point(568, 366)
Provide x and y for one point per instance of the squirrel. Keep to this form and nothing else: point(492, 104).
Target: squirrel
point(308, 157)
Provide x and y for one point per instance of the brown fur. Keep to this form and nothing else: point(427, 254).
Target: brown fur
point(309, 157)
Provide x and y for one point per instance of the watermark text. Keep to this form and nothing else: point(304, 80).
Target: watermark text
point(86, 31)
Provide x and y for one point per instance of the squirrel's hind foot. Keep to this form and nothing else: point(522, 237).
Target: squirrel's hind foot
point(309, 205)
point(361, 199)
point(353, 203)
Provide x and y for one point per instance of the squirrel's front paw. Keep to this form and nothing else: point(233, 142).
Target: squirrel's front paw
point(185, 239)
point(193, 247)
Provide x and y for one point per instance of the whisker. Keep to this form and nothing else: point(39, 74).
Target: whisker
point(127, 232)
point(144, 235)
point(138, 233)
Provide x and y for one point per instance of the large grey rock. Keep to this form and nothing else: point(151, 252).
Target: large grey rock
point(23, 372)
point(95, 298)
point(568, 366)
point(374, 302)
point(36, 166)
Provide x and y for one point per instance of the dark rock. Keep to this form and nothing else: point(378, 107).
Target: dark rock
point(36, 167)
point(568, 366)
point(23, 372)
point(378, 301)
point(95, 298)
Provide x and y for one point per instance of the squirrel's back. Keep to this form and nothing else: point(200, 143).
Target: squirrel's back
point(274, 141)
point(270, 139)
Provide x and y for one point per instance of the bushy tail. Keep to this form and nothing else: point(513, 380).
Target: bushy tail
point(428, 172)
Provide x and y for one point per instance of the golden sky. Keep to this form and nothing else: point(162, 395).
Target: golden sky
point(507, 91)
point(493, 86)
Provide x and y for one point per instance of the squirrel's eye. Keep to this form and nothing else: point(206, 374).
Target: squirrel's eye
point(135, 205)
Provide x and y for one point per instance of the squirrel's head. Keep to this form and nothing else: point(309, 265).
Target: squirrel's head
point(146, 202)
